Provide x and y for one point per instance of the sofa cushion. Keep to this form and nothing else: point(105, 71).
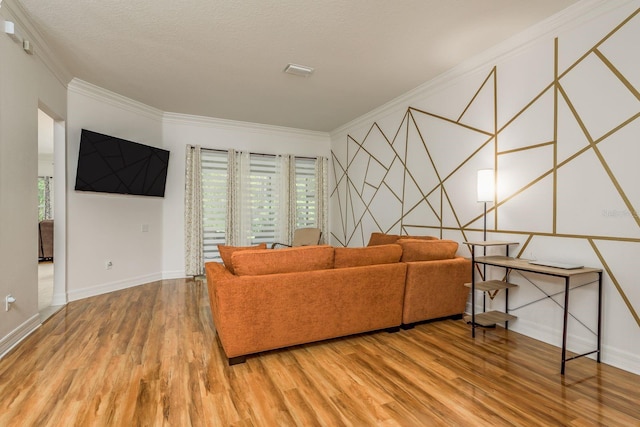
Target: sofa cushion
point(370, 255)
point(288, 260)
point(418, 238)
point(386, 239)
point(427, 250)
point(382, 239)
point(227, 251)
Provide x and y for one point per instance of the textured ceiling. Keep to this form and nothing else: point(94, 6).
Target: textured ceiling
point(225, 58)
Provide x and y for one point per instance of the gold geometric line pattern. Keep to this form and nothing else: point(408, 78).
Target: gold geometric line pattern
point(617, 73)
point(554, 200)
point(448, 120)
point(600, 43)
point(418, 204)
point(598, 154)
point(526, 107)
point(495, 142)
point(486, 80)
point(528, 147)
point(615, 282)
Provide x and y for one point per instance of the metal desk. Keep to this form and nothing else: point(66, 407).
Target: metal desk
point(523, 265)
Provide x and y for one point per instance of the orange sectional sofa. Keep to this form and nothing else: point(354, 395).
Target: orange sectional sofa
point(268, 299)
point(279, 298)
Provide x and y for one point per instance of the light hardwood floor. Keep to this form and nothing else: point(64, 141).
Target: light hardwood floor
point(45, 285)
point(148, 356)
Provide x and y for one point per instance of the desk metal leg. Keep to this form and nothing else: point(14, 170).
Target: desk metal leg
point(506, 307)
point(599, 311)
point(564, 326)
point(473, 292)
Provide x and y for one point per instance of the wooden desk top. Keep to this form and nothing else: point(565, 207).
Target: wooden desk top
point(490, 243)
point(523, 264)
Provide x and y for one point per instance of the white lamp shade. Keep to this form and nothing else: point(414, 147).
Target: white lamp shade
point(486, 183)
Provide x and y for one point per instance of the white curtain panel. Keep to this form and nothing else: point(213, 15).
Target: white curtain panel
point(238, 224)
point(193, 226)
point(233, 215)
point(290, 180)
point(322, 194)
point(242, 208)
point(286, 175)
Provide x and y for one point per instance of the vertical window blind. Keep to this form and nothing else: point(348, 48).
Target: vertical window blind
point(306, 203)
point(214, 202)
point(260, 199)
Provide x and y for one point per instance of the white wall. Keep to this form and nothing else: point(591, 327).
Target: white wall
point(105, 227)
point(45, 165)
point(565, 158)
point(25, 83)
point(180, 130)
point(108, 227)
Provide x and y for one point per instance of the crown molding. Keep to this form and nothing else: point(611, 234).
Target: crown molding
point(569, 18)
point(42, 50)
point(212, 122)
point(103, 95)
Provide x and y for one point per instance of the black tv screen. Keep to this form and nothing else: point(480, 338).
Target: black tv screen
point(112, 165)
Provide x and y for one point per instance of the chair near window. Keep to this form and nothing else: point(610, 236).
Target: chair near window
point(302, 237)
point(45, 240)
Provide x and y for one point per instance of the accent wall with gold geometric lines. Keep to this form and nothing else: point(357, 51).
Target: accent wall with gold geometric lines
point(559, 121)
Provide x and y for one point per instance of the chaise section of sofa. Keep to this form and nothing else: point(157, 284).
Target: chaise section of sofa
point(281, 298)
point(435, 277)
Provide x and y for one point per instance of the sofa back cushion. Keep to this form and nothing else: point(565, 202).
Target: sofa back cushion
point(427, 250)
point(386, 239)
point(382, 239)
point(288, 260)
point(418, 238)
point(227, 251)
point(370, 255)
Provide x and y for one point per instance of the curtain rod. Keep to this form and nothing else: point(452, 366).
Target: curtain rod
point(218, 150)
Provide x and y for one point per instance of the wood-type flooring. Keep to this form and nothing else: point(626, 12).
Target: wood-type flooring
point(148, 356)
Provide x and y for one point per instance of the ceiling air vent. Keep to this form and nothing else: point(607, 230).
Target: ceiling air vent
point(298, 70)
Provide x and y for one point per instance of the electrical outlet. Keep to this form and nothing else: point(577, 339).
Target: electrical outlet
point(145, 228)
point(108, 265)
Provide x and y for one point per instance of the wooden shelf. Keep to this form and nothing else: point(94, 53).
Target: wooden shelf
point(490, 318)
point(492, 285)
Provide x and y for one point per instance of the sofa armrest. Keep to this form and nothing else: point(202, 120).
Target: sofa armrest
point(217, 275)
point(435, 289)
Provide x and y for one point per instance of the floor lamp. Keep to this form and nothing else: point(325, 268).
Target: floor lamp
point(486, 193)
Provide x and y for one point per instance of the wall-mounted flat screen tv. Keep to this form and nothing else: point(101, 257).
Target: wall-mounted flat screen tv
point(112, 165)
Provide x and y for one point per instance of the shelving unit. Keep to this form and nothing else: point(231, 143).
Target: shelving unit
point(491, 287)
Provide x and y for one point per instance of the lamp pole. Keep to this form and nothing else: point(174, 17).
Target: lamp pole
point(486, 193)
point(484, 253)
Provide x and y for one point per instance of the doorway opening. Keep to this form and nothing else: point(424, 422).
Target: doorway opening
point(51, 288)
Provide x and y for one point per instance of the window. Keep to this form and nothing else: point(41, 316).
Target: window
point(260, 202)
point(306, 203)
point(262, 199)
point(214, 202)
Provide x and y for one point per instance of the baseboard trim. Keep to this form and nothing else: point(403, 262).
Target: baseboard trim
point(174, 274)
point(14, 337)
point(105, 288)
point(578, 344)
